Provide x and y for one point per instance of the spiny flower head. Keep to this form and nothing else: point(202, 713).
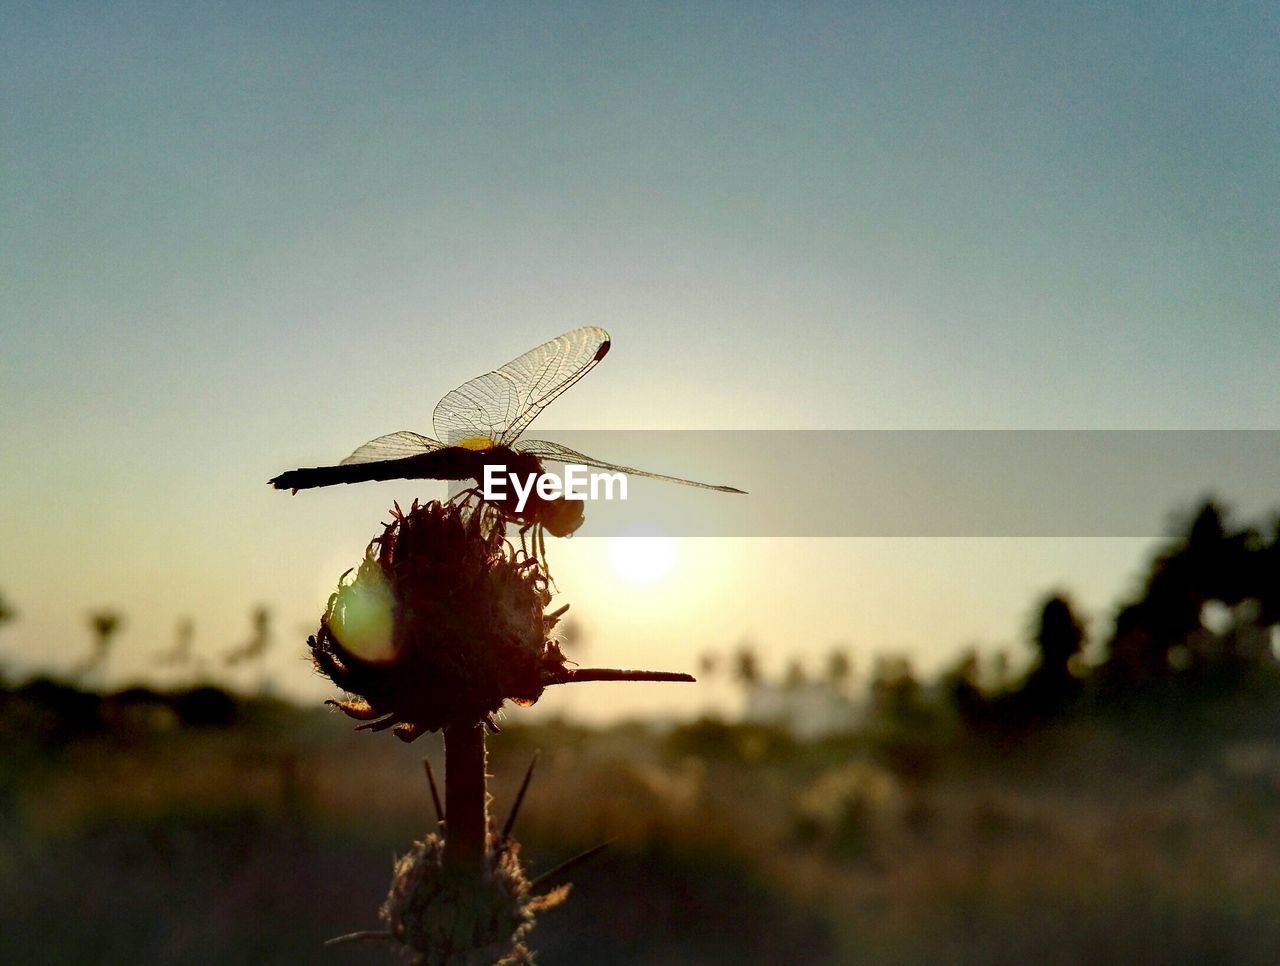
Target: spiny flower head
point(445, 917)
point(443, 622)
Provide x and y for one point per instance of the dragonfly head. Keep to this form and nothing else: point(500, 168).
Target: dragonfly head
point(562, 517)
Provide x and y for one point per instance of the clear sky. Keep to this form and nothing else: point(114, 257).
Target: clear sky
point(239, 238)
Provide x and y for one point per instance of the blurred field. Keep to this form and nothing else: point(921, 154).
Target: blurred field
point(1109, 839)
point(1119, 808)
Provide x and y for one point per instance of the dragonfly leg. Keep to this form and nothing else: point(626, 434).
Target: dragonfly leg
point(464, 496)
point(543, 565)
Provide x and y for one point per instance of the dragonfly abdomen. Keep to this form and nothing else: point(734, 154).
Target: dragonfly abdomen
point(448, 463)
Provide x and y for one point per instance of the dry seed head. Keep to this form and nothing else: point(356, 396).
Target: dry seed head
point(442, 622)
point(457, 918)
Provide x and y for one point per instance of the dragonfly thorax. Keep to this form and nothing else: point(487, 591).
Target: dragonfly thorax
point(559, 516)
point(479, 443)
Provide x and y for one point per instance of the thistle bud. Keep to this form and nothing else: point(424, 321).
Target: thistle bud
point(445, 917)
point(443, 621)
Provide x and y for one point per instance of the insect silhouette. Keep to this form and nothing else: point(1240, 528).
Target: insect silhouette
point(480, 423)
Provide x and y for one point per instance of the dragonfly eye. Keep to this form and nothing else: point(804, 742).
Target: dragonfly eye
point(564, 517)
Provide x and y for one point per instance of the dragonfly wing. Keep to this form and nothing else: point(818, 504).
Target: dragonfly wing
point(499, 405)
point(543, 449)
point(393, 446)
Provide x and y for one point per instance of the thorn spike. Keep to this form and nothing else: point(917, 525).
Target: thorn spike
point(435, 792)
point(579, 675)
point(515, 808)
point(568, 864)
point(355, 937)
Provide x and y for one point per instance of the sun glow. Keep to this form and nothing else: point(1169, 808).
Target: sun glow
point(642, 560)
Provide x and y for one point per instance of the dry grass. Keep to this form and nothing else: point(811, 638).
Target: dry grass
point(253, 844)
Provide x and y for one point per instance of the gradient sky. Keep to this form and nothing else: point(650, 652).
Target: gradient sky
point(240, 238)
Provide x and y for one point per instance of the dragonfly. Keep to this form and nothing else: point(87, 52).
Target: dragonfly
point(482, 423)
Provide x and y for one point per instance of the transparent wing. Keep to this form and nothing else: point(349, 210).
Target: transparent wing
point(499, 405)
point(543, 449)
point(393, 446)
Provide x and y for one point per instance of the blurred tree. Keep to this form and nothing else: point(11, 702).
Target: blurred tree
point(1165, 629)
point(1058, 638)
point(795, 678)
point(1134, 653)
point(104, 624)
point(708, 663)
point(1000, 671)
point(1220, 562)
point(180, 654)
point(1269, 579)
point(206, 707)
point(255, 648)
point(961, 685)
point(746, 669)
point(839, 669)
point(895, 691)
point(7, 613)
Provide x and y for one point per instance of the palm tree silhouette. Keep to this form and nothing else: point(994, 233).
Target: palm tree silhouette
point(104, 624)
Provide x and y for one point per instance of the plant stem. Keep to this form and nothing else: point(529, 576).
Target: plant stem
point(465, 799)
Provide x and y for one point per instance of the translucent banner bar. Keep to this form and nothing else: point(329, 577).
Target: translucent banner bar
point(926, 483)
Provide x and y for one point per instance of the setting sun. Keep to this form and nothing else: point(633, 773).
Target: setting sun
point(642, 560)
